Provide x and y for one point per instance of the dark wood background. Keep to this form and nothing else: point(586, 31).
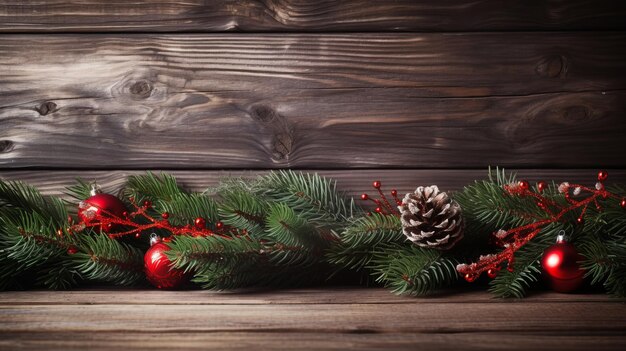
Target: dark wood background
point(411, 92)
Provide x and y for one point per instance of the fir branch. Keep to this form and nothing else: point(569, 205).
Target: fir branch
point(413, 270)
point(153, 187)
point(526, 266)
point(15, 194)
point(107, 260)
point(359, 241)
point(241, 209)
point(285, 227)
point(312, 196)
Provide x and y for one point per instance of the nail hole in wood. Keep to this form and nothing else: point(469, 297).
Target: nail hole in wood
point(47, 108)
point(141, 89)
point(6, 145)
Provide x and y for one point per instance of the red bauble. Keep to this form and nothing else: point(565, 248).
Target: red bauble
point(100, 205)
point(159, 269)
point(561, 268)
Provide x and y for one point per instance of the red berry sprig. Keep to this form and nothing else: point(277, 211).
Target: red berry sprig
point(383, 206)
point(514, 239)
point(107, 221)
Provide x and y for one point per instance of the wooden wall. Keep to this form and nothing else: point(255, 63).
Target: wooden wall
point(409, 92)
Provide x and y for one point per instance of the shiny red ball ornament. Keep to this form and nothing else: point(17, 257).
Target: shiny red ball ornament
point(523, 184)
point(542, 186)
point(561, 268)
point(100, 205)
point(377, 184)
point(603, 175)
point(159, 271)
point(200, 223)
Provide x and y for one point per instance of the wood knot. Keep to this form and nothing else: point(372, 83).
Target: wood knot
point(141, 89)
point(554, 66)
point(279, 126)
point(6, 145)
point(46, 108)
point(264, 114)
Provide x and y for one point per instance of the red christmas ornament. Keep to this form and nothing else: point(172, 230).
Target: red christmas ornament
point(158, 268)
point(100, 205)
point(200, 223)
point(523, 184)
point(542, 186)
point(561, 268)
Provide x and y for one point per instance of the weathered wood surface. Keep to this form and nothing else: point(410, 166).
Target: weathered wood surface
point(305, 15)
point(307, 319)
point(351, 182)
point(313, 101)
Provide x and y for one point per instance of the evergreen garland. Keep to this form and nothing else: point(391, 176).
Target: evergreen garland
point(290, 228)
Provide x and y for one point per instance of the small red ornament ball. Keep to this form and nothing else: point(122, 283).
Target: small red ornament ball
point(561, 268)
point(542, 186)
point(200, 223)
point(158, 268)
point(100, 205)
point(603, 175)
point(523, 184)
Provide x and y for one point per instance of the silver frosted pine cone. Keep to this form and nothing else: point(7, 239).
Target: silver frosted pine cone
point(431, 219)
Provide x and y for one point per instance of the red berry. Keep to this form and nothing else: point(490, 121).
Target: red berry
point(200, 223)
point(364, 197)
point(524, 185)
point(376, 184)
point(379, 210)
point(580, 220)
point(623, 203)
point(219, 225)
point(125, 214)
point(60, 232)
point(137, 235)
point(603, 175)
point(72, 250)
point(469, 278)
point(542, 186)
point(394, 192)
point(147, 204)
point(165, 215)
point(492, 273)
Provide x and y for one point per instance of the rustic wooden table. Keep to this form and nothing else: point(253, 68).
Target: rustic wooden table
point(350, 318)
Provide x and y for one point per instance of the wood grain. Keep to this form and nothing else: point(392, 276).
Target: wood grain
point(308, 296)
point(605, 317)
point(307, 16)
point(350, 182)
point(314, 101)
point(245, 341)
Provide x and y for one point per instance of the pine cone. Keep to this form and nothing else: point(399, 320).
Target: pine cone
point(431, 219)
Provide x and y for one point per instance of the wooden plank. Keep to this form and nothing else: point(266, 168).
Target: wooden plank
point(327, 296)
point(307, 16)
point(584, 318)
point(268, 101)
point(129, 340)
point(350, 182)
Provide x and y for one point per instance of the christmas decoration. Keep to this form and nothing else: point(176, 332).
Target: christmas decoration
point(431, 219)
point(289, 228)
point(159, 269)
point(514, 239)
point(561, 267)
point(100, 205)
